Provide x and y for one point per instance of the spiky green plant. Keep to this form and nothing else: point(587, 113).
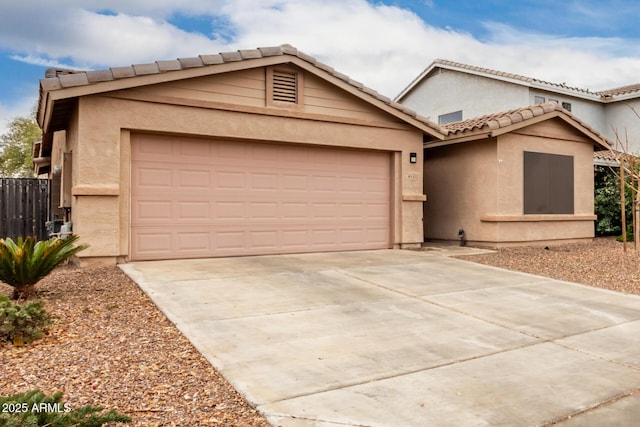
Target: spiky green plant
point(25, 262)
point(22, 323)
point(34, 408)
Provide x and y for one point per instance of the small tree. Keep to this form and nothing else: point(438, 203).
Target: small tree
point(16, 151)
point(629, 178)
point(25, 262)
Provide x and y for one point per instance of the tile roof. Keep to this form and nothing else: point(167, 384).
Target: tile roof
point(511, 76)
point(504, 119)
point(623, 90)
point(57, 79)
point(608, 95)
point(613, 156)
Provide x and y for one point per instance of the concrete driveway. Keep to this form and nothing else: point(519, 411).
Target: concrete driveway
point(405, 338)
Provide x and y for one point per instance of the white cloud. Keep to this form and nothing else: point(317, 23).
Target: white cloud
point(90, 39)
point(8, 112)
point(587, 62)
point(38, 60)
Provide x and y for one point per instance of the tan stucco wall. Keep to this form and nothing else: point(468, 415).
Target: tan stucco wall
point(460, 181)
point(484, 180)
point(100, 140)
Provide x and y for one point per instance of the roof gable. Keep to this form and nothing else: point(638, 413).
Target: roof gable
point(610, 95)
point(62, 86)
point(507, 121)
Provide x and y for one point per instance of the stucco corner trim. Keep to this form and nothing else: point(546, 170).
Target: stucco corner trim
point(536, 218)
point(96, 190)
point(414, 198)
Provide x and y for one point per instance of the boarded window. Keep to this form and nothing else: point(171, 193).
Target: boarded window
point(285, 86)
point(548, 183)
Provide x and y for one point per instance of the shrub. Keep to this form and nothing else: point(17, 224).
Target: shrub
point(25, 262)
point(630, 236)
point(22, 323)
point(607, 202)
point(33, 408)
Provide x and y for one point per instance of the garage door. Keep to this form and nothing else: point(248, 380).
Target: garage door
point(193, 198)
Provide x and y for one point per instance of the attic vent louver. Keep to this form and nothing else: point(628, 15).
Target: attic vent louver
point(285, 86)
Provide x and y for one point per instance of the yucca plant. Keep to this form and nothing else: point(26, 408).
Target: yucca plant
point(24, 262)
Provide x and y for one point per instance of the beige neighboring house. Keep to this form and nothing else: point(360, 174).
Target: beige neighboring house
point(524, 176)
point(259, 151)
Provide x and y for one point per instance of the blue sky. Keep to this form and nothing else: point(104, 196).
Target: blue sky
point(384, 44)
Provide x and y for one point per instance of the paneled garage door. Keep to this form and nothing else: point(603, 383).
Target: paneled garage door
point(193, 198)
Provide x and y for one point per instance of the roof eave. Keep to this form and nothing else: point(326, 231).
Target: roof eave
point(415, 81)
point(599, 142)
point(565, 91)
point(619, 98)
point(469, 136)
point(49, 97)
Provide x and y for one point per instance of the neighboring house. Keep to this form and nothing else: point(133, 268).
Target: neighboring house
point(241, 153)
point(521, 176)
point(448, 92)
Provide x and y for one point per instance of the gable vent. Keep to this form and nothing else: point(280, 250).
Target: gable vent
point(285, 87)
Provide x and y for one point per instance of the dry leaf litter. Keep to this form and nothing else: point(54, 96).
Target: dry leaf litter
point(111, 347)
point(601, 263)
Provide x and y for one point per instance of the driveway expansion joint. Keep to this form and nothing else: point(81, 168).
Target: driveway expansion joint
point(501, 355)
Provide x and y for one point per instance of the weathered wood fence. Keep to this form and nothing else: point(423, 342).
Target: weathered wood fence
point(24, 207)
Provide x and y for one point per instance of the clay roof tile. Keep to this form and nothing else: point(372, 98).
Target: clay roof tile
point(99, 76)
point(122, 72)
point(192, 62)
point(231, 56)
point(75, 79)
point(144, 69)
point(212, 59)
point(172, 65)
point(51, 83)
point(250, 53)
point(270, 51)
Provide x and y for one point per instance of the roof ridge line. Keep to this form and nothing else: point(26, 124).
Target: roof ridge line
point(57, 79)
point(509, 117)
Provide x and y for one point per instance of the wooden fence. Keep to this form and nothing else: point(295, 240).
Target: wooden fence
point(24, 207)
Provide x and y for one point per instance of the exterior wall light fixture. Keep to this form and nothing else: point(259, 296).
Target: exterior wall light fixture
point(413, 157)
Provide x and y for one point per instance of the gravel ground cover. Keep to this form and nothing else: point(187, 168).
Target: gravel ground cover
point(111, 346)
point(601, 263)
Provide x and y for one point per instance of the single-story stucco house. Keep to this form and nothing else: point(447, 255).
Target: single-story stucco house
point(269, 151)
point(520, 176)
point(241, 153)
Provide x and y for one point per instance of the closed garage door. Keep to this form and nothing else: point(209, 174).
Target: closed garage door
point(193, 198)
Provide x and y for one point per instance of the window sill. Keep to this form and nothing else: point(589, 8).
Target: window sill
point(414, 198)
point(536, 218)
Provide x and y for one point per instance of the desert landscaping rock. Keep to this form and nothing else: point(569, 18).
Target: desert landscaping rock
point(601, 263)
point(111, 346)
